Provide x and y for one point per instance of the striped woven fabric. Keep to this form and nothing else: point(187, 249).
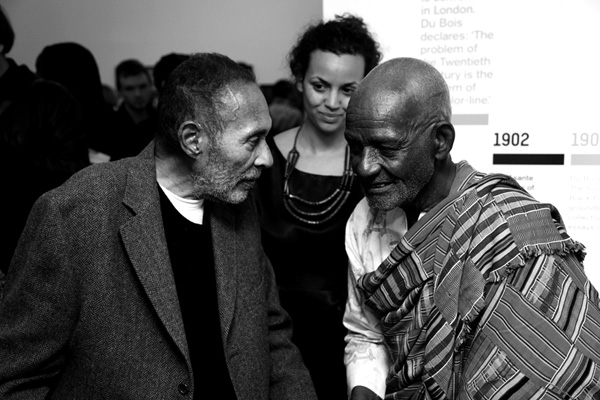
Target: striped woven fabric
point(485, 298)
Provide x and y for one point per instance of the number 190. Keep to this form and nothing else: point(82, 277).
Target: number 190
point(585, 139)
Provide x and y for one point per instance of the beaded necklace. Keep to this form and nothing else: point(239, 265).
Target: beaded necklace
point(322, 210)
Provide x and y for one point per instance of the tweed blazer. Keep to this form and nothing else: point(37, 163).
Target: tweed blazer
point(90, 309)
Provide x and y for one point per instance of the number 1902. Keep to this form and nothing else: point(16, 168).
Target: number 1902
point(512, 139)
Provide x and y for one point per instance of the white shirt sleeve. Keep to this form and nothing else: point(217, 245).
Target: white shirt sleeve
point(366, 357)
point(369, 240)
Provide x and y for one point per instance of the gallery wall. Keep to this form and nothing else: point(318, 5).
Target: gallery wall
point(258, 32)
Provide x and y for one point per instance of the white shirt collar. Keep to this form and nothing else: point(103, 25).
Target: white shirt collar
point(192, 210)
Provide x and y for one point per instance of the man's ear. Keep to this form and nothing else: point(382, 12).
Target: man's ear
point(192, 138)
point(444, 140)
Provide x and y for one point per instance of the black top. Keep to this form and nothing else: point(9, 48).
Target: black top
point(190, 251)
point(310, 265)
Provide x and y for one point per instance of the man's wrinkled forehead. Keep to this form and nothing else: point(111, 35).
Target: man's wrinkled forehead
point(376, 104)
point(237, 96)
point(230, 102)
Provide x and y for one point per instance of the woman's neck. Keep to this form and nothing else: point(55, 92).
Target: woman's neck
point(312, 140)
point(321, 154)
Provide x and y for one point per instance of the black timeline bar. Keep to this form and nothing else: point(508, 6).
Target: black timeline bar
point(529, 159)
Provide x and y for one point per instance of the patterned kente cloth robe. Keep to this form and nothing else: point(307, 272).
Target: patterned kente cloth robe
point(486, 298)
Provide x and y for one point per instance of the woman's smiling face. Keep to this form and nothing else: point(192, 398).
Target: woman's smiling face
point(327, 86)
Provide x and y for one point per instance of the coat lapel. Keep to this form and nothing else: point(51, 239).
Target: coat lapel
point(144, 240)
point(224, 239)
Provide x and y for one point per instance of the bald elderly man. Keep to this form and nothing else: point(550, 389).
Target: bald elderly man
point(461, 285)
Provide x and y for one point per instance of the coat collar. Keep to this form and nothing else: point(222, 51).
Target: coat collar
point(144, 239)
point(225, 242)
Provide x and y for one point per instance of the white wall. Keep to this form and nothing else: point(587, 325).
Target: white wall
point(259, 32)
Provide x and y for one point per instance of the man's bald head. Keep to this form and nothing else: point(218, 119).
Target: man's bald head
point(410, 88)
point(400, 136)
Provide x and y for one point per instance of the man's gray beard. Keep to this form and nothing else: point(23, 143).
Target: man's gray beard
point(377, 204)
point(205, 189)
point(223, 189)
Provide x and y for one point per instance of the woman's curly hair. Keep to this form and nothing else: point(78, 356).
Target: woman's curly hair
point(345, 34)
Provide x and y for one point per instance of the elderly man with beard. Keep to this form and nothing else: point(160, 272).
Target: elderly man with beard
point(144, 277)
point(461, 285)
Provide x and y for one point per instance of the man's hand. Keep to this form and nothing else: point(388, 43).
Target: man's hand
point(363, 393)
